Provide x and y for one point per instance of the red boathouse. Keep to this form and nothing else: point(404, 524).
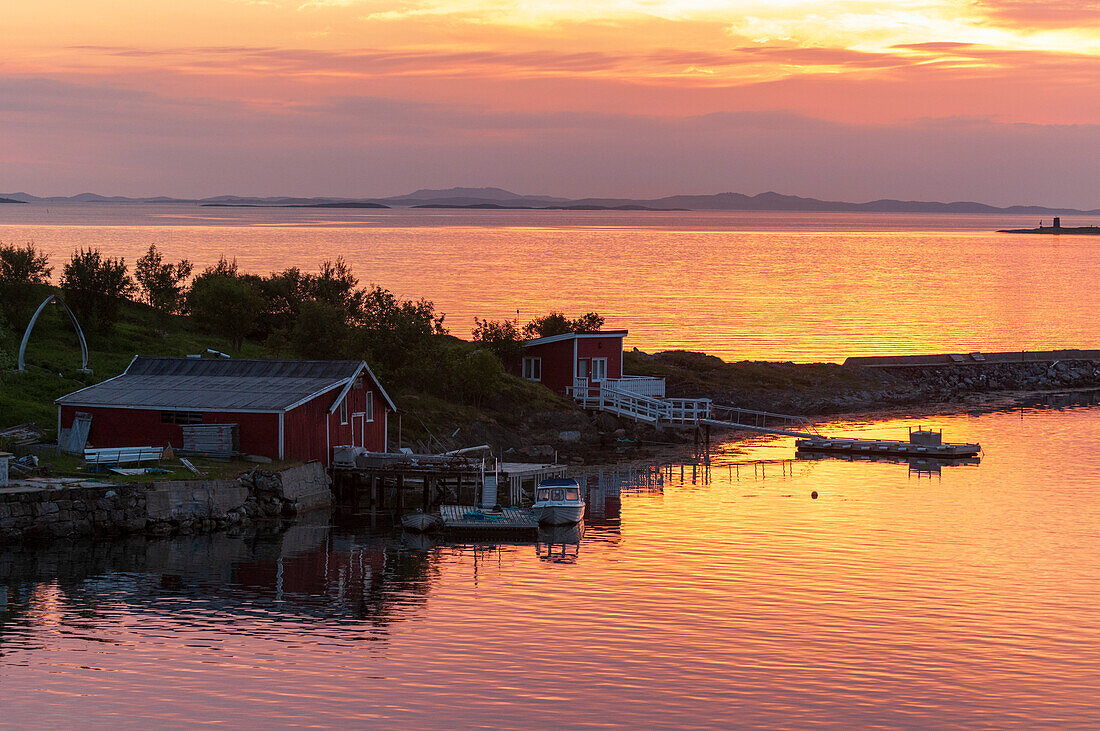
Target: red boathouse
point(295, 410)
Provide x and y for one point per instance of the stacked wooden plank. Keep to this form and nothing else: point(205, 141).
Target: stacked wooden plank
point(211, 440)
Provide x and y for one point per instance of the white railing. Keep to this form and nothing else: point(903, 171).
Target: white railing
point(642, 385)
point(688, 410)
point(584, 388)
point(635, 406)
point(762, 421)
point(626, 397)
point(609, 396)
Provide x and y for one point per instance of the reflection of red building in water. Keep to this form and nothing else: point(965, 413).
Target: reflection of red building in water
point(347, 571)
point(283, 409)
point(359, 576)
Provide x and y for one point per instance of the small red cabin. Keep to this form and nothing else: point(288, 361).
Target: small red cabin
point(295, 410)
point(560, 362)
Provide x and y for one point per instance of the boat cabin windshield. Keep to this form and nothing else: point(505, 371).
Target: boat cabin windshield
point(558, 493)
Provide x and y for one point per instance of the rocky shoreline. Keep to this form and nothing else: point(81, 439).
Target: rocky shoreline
point(908, 386)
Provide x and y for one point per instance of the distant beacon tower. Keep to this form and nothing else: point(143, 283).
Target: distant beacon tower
point(1057, 222)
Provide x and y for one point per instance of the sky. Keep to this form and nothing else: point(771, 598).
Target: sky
point(989, 100)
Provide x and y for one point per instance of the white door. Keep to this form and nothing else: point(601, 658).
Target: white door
point(357, 429)
point(599, 369)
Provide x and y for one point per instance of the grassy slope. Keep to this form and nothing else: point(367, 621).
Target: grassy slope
point(53, 359)
point(53, 363)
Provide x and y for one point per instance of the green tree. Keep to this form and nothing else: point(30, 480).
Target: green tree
point(320, 332)
point(284, 294)
point(24, 272)
point(556, 323)
point(502, 337)
point(396, 333)
point(590, 322)
point(473, 374)
point(95, 287)
point(162, 284)
point(225, 303)
point(336, 285)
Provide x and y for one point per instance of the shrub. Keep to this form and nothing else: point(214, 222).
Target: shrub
point(95, 287)
point(23, 272)
point(162, 285)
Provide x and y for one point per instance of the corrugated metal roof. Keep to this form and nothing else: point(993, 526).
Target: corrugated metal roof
point(215, 384)
point(242, 367)
point(570, 336)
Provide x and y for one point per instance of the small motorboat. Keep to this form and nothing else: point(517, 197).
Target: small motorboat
point(558, 502)
point(421, 522)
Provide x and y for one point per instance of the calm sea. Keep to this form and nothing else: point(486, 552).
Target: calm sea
point(777, 286)
point(901, 597)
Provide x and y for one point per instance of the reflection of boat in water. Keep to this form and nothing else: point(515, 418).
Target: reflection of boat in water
point(558, 502)
point(560, 543)
point(562, 533)
point(420, 541)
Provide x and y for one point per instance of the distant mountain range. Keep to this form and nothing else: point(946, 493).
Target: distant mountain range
point(499, 198)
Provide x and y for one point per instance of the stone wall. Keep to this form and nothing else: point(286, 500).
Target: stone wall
point(290, 491)
point(30, 511)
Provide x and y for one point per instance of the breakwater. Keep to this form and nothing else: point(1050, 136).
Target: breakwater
point(867, 384)
point(52, 508)
point(908, 385)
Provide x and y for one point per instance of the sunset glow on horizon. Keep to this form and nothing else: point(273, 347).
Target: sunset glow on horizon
point(361, 97)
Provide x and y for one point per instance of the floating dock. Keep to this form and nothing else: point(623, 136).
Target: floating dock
point(469, 519)
point(922, 443)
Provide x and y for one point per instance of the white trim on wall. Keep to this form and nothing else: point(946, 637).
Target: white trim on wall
point(282, 433)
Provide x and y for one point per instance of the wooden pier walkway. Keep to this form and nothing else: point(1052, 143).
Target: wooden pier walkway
point(471, 519)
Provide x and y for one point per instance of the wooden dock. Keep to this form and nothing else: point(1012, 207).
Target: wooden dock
point(469, 519)
point(887, 447)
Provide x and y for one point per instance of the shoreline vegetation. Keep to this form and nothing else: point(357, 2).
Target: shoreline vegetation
point(450, 392)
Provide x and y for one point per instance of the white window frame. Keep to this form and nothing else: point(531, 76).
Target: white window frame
point(598, 365)
point(532, 368)
point(369, 413)
point(343, 411)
